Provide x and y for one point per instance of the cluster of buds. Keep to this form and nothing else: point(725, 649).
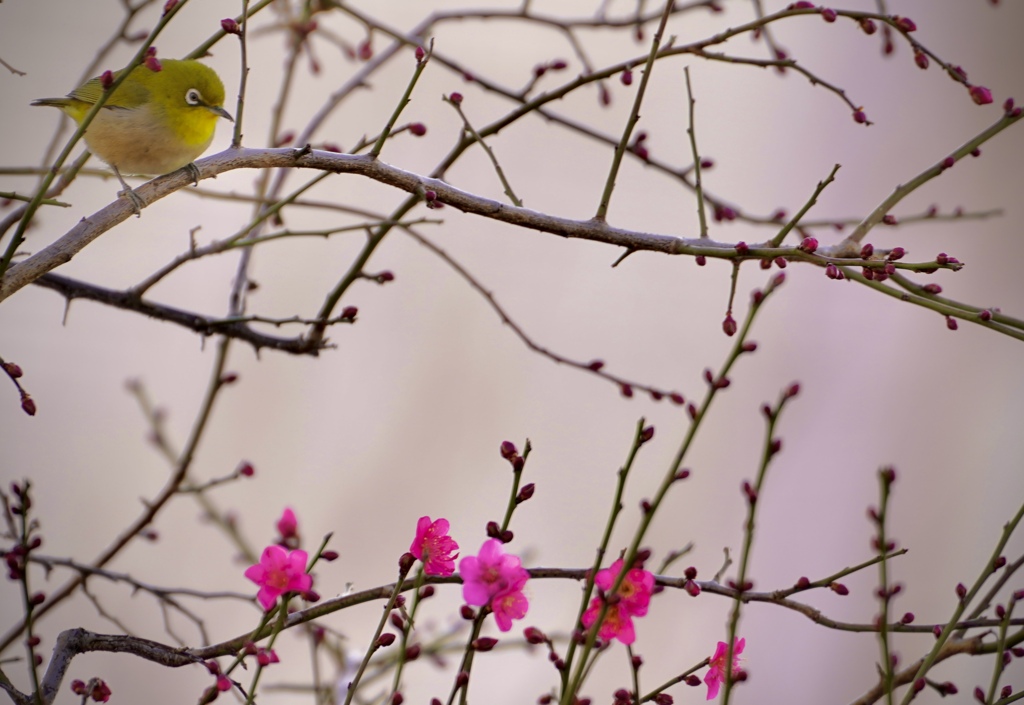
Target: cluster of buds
point(96, 689)
point(555, 65)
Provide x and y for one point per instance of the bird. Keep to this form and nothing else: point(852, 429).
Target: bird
point(159, 119)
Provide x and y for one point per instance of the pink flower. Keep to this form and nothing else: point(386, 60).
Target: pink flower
point(279, 571)
point(495, 579)
point(634, 596)
point(434, 547)
point(508, 605)
point(635, 590)
point(288, 525)
point(617, 622)
point(716, 673)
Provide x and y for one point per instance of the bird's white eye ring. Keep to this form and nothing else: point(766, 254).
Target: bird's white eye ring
point(193, 97)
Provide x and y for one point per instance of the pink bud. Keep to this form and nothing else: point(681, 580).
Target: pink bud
point(420, 54)
point(868, 25)
point(627, 77)
point(455, 98)
point(905, 24)
point(418, 129)
point(365, 50)
point(808, 245)
point(153, 64)
point(484, 643)
point(951, 323)
point(921, 59)
point(229, 26)
point(729, 326)
point(860, 117)
point(980, 95)
point(828, 14)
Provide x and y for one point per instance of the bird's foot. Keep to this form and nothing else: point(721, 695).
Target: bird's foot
point(193, 171)
point(134, 199)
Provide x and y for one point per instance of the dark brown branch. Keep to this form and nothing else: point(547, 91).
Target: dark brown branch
point(73, 289)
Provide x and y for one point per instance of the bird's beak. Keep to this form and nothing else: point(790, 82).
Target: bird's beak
point(217, 110)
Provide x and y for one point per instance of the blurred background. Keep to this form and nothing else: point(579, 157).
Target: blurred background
point(404, 417)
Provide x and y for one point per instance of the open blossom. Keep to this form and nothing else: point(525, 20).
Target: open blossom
point(617, 622)
point(634, 596)
point(434, 547)
point(508, 605)
point(279, 571)
point(716, 673)
point(496, 579)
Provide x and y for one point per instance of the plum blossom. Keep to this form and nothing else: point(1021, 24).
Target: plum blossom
point(279, 571)
point(632, 600)
point(434, 547)
point(716, 673)
point(495, 579)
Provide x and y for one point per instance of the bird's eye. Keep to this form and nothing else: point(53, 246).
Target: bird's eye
point(193, 97)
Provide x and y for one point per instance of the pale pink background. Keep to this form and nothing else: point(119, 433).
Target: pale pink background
point(405, 417)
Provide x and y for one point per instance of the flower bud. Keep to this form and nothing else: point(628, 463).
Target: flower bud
point(808, 245)
point(905, 24)
point(729, 325)
point(484, 643)
point(534, 635)
point(455, 98)
point(418, 129)
point(229, 26)
point(526, 492)
point(980, 95)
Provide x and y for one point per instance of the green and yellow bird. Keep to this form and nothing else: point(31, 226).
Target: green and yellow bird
point(155, 122)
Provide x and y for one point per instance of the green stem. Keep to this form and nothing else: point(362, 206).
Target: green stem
point(634, 116)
